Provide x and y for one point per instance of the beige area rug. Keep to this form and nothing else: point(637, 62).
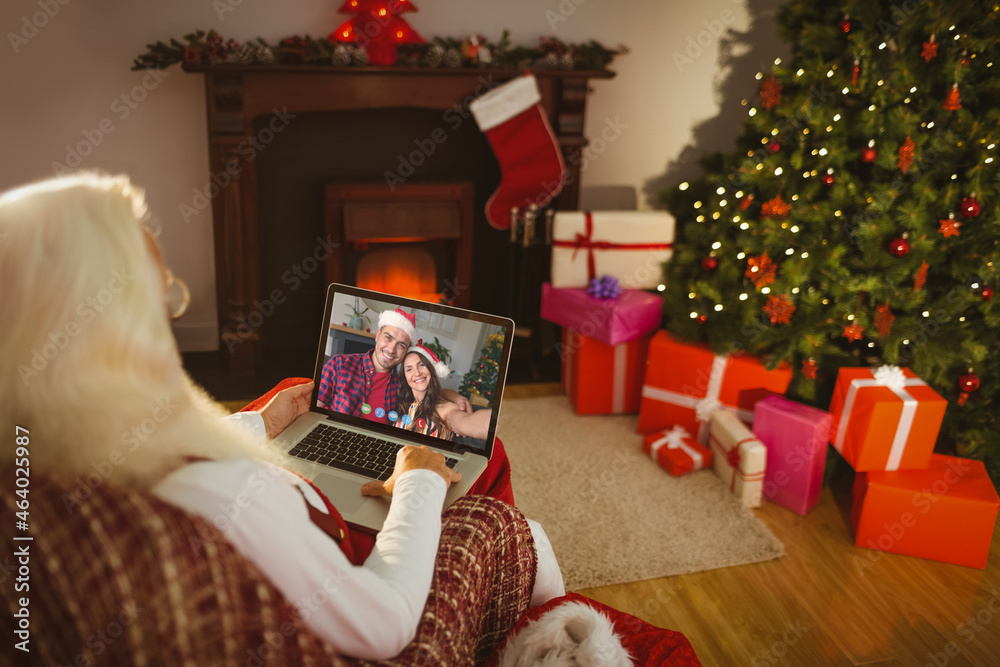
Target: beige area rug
point(613, 515)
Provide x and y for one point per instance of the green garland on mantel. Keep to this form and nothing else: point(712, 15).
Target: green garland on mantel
point(210, 48)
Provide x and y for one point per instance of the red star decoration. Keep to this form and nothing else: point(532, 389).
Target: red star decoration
point(779, 309)
point(761, 270)
point(809, 369)
point(920, 277)
point(905, 155)
point(776, 207)
point(853, 331)
point(883, 319)
point(930, 49)
point(949, 227)
point(770, 93)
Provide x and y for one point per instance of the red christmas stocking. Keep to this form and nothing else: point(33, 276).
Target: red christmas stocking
point(531, 165)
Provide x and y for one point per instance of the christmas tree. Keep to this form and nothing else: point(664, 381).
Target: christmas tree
point(377, 27)
point(482, 377)
point(857, 223)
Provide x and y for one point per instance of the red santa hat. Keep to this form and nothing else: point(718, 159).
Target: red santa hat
point(440, 367)
point(406, 322)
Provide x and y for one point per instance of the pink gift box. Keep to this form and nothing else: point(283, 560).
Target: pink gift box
point(611, 321)
point(795, 436)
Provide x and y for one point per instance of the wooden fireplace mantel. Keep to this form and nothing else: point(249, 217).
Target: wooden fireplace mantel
point(237, 94)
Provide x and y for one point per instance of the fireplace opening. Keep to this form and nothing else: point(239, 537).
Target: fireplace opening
point(408, 272)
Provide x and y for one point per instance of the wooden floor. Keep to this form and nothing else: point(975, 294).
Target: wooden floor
point(825, 602)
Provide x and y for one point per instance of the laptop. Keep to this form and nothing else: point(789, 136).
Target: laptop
point(350, 326)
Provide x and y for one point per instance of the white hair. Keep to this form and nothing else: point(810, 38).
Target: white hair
point(88, 362)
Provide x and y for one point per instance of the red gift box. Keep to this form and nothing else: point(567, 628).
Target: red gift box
point(676, 451)
point(602, 379)
point(885, 418)
point(631, 315)
point(685, 383)
point(945, 513)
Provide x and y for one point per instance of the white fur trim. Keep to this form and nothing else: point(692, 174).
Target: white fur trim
point(572, 634)
point(440, 367)
point(503, 103)
point(393, 319)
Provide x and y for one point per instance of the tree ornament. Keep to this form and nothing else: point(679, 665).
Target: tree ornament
point(775, 207)
point(770, 93)
point(773, 147)
point(855, 71)
point(905, 155)
point(949, 227)
point(920, 277)
point(761, 270)
point(953, 101)
point(702, 318)
point(986, 293)
point(967, 383)
point(746, 202)
point(884, 319)
point(778, 309)
point(899, 247)
point(970, 206)
point(710, 263)
point(845, 24)
point(853, 331)
point(930, 49)
point(868, 154)
point(827, 178)
point(809, 368)
point(377, 28)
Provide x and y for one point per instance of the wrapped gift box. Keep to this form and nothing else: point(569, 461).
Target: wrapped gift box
point(738, 457)
point(602, 379)
point(676, 451)
point(685, 383)
point(795, 436)
point(629, 245)
point(945, 513)
point(885, 418)
point(611, 321)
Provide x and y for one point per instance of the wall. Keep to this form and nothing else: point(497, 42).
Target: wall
point(69, 96)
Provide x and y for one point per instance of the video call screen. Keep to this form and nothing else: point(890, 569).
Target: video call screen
point(470, 349)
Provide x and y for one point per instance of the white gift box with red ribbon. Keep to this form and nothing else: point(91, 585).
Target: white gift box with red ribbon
point(631, 246)
point(738, 457)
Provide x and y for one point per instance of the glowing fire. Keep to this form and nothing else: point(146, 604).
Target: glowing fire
point(403, 271)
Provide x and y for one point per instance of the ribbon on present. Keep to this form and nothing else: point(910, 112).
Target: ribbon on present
point(586, 241)
point(619, 370)
point(893, 378)
point(704, 406)
point(734, 459)
point(674, 439)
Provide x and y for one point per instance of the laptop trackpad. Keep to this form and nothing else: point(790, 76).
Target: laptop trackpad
point(345, 494)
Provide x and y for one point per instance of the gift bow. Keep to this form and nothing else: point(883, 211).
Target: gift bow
point(734, 459)
point(674, 439)
point(893, 378)
point(586, 241)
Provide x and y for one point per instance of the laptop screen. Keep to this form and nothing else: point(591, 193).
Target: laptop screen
point(388, 380)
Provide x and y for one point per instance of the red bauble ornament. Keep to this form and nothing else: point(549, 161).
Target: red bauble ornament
point(967, 383)
point(899, 247)
point(702, 319)
point(970, 206)
point(827, 179)
point(986, 293)
point(868, 154)
point(709, 263)
point(773, 147)
point(845, 24)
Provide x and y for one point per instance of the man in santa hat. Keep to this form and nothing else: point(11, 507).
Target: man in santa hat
point(361, 385)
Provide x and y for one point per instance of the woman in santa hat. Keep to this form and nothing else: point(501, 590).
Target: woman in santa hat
point(421, 405)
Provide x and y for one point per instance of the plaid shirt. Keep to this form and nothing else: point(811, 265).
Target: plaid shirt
point(346, 381)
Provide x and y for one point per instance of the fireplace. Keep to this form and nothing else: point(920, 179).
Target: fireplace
point(274, 216)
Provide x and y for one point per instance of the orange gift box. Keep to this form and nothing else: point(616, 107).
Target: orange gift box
point(602, 379)
point(885, 418)
point(676, 451)
point(685, 383)
point(945, 513)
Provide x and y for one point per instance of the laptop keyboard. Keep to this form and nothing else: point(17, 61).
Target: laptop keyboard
point(354, 452)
